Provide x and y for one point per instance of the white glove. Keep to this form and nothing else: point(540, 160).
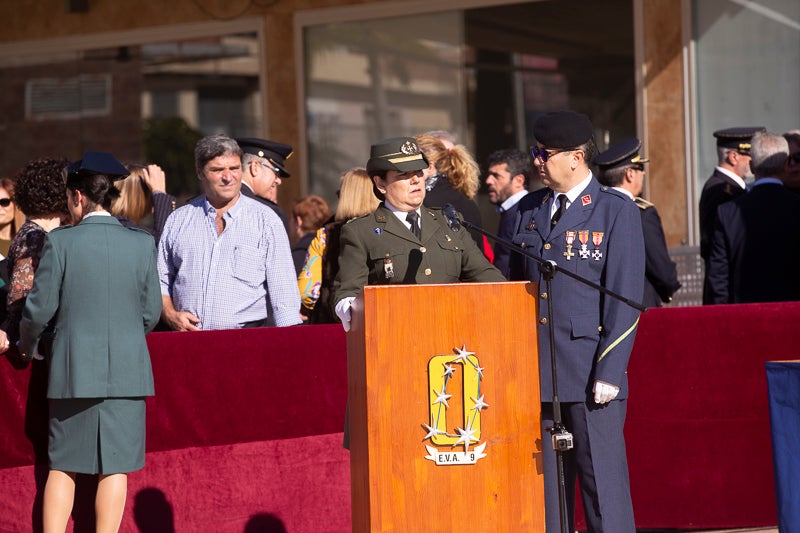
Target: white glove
point(343, 311)
point(604, 392)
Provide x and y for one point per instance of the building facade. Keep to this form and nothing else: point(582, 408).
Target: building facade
point(144, 80)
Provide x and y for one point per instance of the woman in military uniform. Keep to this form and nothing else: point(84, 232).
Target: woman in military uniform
point(403, 242)
point(98, 282)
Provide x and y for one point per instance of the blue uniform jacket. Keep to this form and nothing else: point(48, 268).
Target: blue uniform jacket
point(594, 333)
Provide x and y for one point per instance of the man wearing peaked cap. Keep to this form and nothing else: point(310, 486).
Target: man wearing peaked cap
point(622, 167)
point(596, 232)
point(415, 241)
point(249, 280)
point(725, 184)
point(98, 163)
point(263, 171)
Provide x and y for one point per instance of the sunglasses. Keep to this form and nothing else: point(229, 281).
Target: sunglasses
point(544, 154)
point(5, 202)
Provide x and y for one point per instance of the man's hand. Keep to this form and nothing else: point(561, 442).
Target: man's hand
point(604, 392)
point(177, 320)
point(343, 311)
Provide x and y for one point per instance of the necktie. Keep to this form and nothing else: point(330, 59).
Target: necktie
point(413, 218)
point(562, 206)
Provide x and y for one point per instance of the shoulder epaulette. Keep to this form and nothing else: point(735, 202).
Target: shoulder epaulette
point(642, 203)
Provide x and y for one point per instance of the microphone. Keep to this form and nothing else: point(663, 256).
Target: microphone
point(451, 215)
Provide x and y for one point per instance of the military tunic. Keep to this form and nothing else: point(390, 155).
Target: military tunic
point(378, 249)
point(661, 273)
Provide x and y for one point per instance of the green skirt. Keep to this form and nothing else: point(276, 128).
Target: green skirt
point(97, 435)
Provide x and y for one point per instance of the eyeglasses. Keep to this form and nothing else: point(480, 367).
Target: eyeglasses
point(544, 154)
point(276, 170)
point(794, 158)
point(5, 202)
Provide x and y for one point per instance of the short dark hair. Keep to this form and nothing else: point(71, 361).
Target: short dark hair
point(39, 188)
point(517, 161)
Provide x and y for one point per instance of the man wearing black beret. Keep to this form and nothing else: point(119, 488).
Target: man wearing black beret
point(622, 167)
point(595, 232)
point(263, 170)
point(725, 184)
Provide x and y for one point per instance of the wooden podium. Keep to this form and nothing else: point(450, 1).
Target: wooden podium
point(431, 368)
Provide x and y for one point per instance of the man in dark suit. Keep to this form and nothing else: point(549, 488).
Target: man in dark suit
point(262, 171)
point(622, 167)
point(725, 184)
point(756, 246)
point(507, 178)
point(595, 232)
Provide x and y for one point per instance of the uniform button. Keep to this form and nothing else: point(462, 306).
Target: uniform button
point(543, 296)
point(423, 249)
point(523, 245)
point(543, 321)
point(599, 328)
point(427, 271)
point(547, 246)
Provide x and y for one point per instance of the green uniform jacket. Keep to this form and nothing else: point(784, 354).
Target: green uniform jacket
point(378, 249)
point(99, 280)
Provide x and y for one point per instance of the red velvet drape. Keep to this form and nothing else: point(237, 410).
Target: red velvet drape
point(245, 428)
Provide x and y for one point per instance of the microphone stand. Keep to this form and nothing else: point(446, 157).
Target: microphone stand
point(561, 438)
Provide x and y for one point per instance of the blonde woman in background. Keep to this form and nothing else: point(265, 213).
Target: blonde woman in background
point(452, 177)
point(143, 193)
point(317, 277)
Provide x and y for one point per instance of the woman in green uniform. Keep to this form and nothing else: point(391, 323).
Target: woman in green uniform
point(97, 281)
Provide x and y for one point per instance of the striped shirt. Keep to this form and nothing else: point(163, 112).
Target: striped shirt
point(242, 275)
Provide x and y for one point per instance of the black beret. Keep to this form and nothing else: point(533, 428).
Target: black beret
point(563, 129)
point(624, 153)
point(737, 138)
point(273, 151)
point(398, 153)
point(94, 163)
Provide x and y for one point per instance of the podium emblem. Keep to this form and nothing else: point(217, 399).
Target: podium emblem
point(455, 379)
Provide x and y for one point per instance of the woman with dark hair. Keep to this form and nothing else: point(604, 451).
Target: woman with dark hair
point(39, 193)
point(98, 282)
point(8, 219)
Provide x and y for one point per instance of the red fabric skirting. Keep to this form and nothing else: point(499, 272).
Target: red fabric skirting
point(247, 424)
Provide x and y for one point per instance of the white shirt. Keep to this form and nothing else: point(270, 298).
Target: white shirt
point(739, 181)
point(511, 201)
point(571, 194)
point(401, 215)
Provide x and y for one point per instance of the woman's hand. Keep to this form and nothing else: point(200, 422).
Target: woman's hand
point(155, 178)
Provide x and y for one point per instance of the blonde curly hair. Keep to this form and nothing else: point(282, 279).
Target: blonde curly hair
point(457, 164)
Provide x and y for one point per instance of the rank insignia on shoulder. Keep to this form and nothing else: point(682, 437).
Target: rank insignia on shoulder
point(586, 200)
point(377, 231)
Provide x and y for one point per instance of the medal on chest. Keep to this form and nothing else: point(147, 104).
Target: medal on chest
point(570, 238)
point(597, 240)
point(583, 236)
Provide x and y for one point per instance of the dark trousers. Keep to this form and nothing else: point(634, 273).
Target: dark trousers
point(597, 461)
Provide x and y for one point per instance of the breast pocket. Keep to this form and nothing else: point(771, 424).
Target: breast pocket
point(450, 253)
point(387, 266)
point(248, 265)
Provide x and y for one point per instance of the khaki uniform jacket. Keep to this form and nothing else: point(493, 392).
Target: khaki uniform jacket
point(378, 249)
point(99, 281)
